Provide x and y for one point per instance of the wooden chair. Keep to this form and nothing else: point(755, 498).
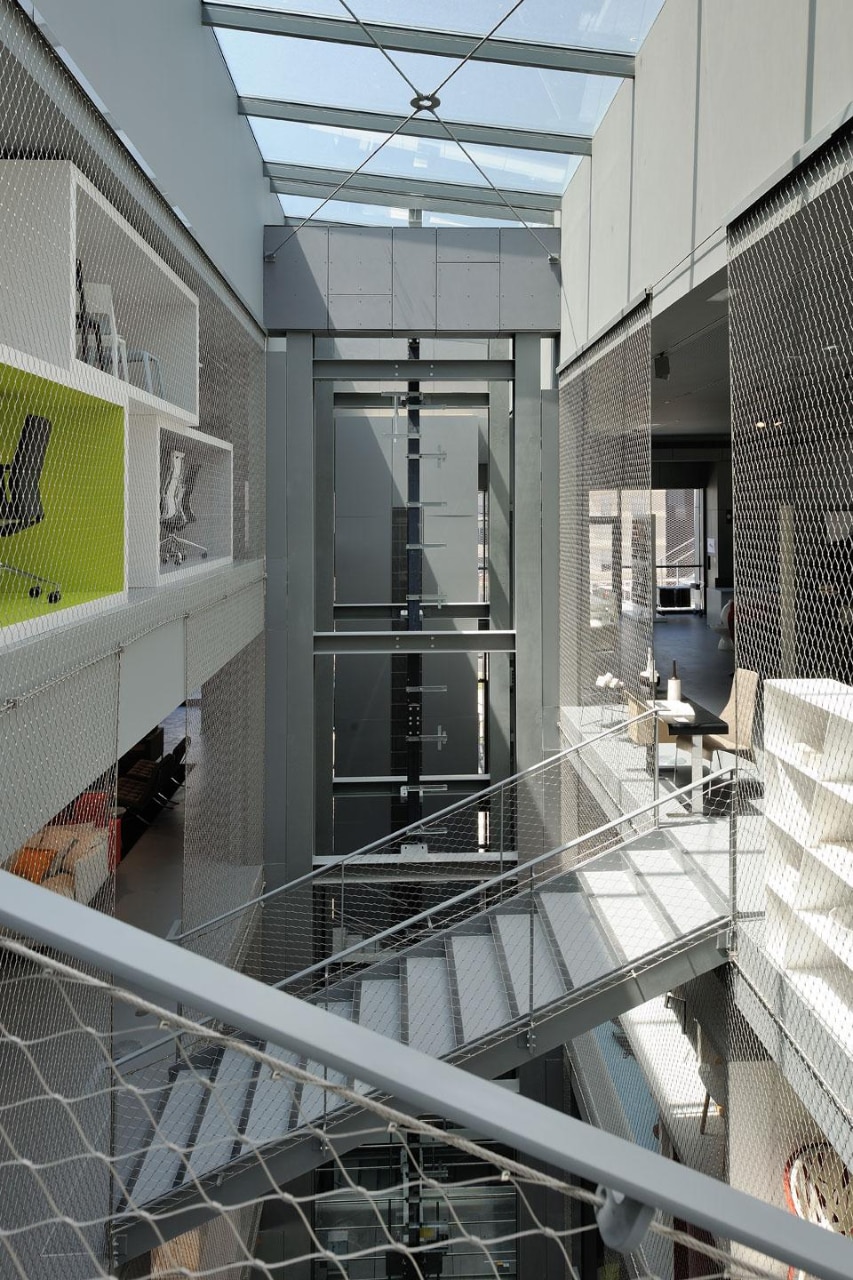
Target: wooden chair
point(739, 715)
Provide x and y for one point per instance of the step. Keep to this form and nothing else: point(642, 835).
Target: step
point(483, 1003)
point(430, 1012)
point(634, 926)
point(513, 929)
point(223, 1116)
point(379, 1006)
point(162, 1165)
point(315, 1100)
point(688, 900)
point(271, 1114)
point(578, 935)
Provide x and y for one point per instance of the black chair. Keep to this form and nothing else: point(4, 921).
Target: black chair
point(20, 496)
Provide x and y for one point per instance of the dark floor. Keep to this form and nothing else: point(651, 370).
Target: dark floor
point(705, 670)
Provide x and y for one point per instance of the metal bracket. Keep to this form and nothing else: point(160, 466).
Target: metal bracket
point(622, 1222)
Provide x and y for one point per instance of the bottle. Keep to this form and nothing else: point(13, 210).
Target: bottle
point(673, 685)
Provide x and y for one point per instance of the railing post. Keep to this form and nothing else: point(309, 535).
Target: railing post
point(656, 766)
point(502, 793)
point(343, 919)
point(531, 1035)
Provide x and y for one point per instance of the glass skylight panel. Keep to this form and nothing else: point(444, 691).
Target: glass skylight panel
point(360, 78)
point(614, 25)
point(297, 208)
point(403, 156)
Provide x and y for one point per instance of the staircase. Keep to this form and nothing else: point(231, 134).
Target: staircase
point(559, 954)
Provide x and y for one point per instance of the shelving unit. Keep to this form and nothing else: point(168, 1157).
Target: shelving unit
point(99, 335)
point(808, 743)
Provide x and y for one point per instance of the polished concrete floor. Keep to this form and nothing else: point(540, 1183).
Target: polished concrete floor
point(705, 670)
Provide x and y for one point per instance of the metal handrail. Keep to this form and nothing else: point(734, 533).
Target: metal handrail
point(411, 829)
point(485, 885)
point(514, 873)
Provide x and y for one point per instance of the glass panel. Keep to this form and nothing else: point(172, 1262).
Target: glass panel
point(361, 78)
point(597, 24)
point(405, 157)
point(376, 215)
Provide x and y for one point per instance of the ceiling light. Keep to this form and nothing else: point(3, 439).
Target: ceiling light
point(722, 296)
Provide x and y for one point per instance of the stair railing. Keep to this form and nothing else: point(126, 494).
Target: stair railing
point(519, 884)
point(331, 909)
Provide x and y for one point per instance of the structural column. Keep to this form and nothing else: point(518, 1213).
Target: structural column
point(527, 539)
point(500, 566)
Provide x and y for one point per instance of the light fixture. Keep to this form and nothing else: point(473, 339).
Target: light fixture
point(722, 296)
point(662, 366)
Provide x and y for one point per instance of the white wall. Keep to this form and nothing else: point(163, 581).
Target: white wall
point(162, 79)
point(726, 92)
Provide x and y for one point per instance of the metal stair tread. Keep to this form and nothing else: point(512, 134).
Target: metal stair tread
point(161, 1165)
point(220, 1126)
point(583, 946)
point(514, 931)
point(483, 1003)
point(271, 1111)
point(379, 1006)
point(430, 1021)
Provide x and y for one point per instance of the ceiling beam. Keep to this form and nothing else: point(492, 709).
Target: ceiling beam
point(425, 371)
point(442, 44)
point(417, 127)
point(412, 193)
point(499, 212)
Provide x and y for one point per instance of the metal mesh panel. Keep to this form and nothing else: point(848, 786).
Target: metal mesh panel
point(606, 529)
point(223, 835)
point(201, 1123)
point(791, 352)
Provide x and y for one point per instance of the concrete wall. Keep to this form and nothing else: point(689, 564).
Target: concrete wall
point(726, 92)
point(164, 84)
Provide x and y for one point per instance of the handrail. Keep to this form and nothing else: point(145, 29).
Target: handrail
point(423, 915)
point(425, 1085)
point(513, 874)
point(412, 828)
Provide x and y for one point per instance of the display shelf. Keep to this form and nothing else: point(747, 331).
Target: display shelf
point(180, 511)
point(809, 801)
point(830, 994)
point(139, 328)
point(63, 553)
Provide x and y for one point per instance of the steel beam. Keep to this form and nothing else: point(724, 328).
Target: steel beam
point(454, 784)
point(415, 193)
point(495, 208)
point(354, 612)
point(414, 642)
point(442, 44)
point(414, 370)
point(429, 399)
point(418, 127)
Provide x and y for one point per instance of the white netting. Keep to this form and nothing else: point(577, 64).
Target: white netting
point(170, 1161)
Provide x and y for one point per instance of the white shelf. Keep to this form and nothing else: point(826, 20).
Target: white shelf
point(809, 874)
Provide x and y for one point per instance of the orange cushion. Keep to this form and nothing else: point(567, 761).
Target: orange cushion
point(32, 864)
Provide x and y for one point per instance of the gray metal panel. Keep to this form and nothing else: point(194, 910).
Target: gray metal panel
point(458, 244)
point(162, 1164)
point(379, 1006)
point(220, 1126)
point(362, 480)
point(428, 1005)
point(529, 284)
point(468, 296)
point(483, 1003)
point(296, 284)
point(363, 715)
point(359, 278)
point(455, 711)
point(152, 681)
point(514, 932)
point(217, 634)
point(413, 279)
point(579, 937)
point(362, 551)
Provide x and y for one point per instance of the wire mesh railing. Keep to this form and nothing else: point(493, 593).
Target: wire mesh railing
point(169, 1173)
point(340, 905)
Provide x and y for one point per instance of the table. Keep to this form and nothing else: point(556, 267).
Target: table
point(704, 721)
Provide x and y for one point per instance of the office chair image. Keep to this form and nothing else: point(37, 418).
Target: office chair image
point(20, 497)
point(175, 510)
